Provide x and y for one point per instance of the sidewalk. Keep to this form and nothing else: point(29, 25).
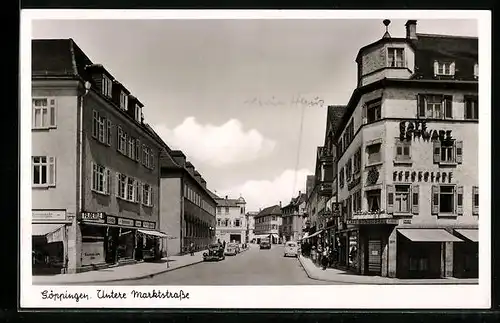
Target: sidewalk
point(341, 276)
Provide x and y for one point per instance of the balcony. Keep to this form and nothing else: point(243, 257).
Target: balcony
point(324, 155)
point(325, 188)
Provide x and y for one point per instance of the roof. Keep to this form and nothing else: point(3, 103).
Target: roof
point(213, 195)
point(227, 202)
point(271, 210)
point(334, 116)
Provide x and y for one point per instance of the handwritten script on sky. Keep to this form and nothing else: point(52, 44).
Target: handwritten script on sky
point(296, 100)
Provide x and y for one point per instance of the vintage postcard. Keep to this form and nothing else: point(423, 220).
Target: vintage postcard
point(255, 159)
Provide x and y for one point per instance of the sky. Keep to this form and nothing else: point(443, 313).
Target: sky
point(245, 100)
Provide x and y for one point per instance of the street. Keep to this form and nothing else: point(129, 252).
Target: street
point(252, 267)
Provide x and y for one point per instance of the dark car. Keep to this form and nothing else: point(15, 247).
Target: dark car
point(265, 245)
point(215, 252)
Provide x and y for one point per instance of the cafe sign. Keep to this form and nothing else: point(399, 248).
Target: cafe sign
point(125, 222)
point(97, 217)
point(48, 215)
point(138, 223)
point(409, 130)
point(373, 221)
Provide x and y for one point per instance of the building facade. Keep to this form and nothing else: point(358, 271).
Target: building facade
point(95, 174)
point(231, 220)
point(267, 224)
point(251, 226)
point(293, 216)
point(407, 158)
point(187, 207)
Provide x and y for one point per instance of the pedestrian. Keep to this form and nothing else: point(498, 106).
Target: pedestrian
point(324, 259)
point(191, 248)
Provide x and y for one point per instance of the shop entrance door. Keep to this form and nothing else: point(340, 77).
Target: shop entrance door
point(235, 238)
point(374, 257)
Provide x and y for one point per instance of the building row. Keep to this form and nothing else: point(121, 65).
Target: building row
point(106, 189)
point(396, 187)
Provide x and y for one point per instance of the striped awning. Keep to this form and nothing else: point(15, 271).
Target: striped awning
point(42, 229)
point(153, 233)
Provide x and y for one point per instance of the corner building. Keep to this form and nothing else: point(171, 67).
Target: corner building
point(95, 179)
point(407, 159)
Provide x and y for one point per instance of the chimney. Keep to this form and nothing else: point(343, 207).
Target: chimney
point(226, 197)
point(411, 29)
point(280, 203)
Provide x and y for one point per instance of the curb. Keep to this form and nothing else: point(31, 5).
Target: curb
point(314, 277)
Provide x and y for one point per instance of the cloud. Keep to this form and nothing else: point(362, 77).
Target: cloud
point(264, 193)
point(217, 146)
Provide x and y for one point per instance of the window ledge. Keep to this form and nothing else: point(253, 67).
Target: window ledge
point(447, 163)
point(43, 128)
point(447, 215)
point(374, 164)
point(403, 162)
point(402, 214)
point(125, 200)
point(43, 186)
point(100, 193)
point(147, 205)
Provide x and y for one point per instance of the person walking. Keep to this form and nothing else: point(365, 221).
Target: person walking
point(191, 248)
point(324, 258)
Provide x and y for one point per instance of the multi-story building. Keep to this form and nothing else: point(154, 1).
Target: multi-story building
point(293, 218)
point(231, 220)
point(95, 174)
point(408, 156)
point(187, 207)
point(267, 223)
point(250, 216)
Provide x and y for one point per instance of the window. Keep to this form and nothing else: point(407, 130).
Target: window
point(475, 200)
point(137, 150)
point(226, 222)
point(138, 113)
point(403, 150)
point(237, 222)
point(448, 152)
point(242, 210)
point(471, 108)
point(100, 179)
point(395, 57)
point(227, 209)
point(44, 171)
point(374, 111)
point(341, 177)
point(122, 141)
point(373, 198)
point(147, 192)
point(350, 130)
point(356, 201)
point(128, 188)
point(374, 154)
point(219, 209)
point(446, 199)
point(435, 106)
point(123, 101)
point(131, 148)
point(357, 161)
point(121, 181)
point(274, 218)
point(444, 68)
point(44, 113)
point(476, 71)
point(348, 169)
point(402, 199)
point(274, 227)
point(218, 222)
point(106, 86)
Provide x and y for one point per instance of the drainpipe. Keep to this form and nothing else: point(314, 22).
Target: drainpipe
point(80, 145)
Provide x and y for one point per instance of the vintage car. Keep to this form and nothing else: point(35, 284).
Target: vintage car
point(265, 244)
point(232, 249)
point(215, 252)
point(291, 249)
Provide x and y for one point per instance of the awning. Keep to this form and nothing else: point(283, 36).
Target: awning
point(42, 229)
point(305, 236)
point(471, 234)
point(313, 235)
point(275, 235)
point(153, 233)
point(429, 235)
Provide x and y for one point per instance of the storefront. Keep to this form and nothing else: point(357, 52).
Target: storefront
point(465, 254)
point(108, 239)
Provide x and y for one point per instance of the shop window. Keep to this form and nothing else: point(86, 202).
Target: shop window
point(419, 264)
point(126, 246)
point(374, 155)
point(373, 198)
point(448, 152)
point(43, 171)
point(435, 106)
point(403, 150)
point(395, 57)
point(475, 200)
point(44, 113)
point(471, 108)
point(373, 110)
point(101, 179)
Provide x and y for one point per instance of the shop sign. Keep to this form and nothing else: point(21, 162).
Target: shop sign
point(417, 129)
point(374, 252)
point(145, 224)
point(48, 215)
point(373, 221)
point(138, 223)
point(92, 253)
point(93, 217)
point(126, 222)
point(406, 221)
point(110, 220)
point(151, 225)
point(422, 176)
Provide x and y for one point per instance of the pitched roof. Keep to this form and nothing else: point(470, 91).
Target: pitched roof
point(227, 202)
point(271, 210)
point(334, 116)
point(213, 195)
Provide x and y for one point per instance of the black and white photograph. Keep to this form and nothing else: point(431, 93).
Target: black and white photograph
point(255, 159)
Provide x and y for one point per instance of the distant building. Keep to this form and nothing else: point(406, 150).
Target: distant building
point(293, 218)
point(251, 225)
point(268, 222)
point(231, 220)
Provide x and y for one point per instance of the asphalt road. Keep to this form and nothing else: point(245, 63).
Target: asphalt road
point(252, 267)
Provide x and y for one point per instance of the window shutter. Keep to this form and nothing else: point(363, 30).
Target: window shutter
point(137, 150)
point(118, 135)
point(93, 175)
point(109, 127)
point(52, 171)
point(452, 68)
point(117, 186)
point(421, 105)
point(415, 196)
point(152, 160)
point(390, 199)
point(460, 200)
point(138, 191)
point(467, 107)
point(459, 151)
point(150, 202)
point(365, 113)
point(437, 151)
point(475, 209)
point(435, 199)
point(448, 106)
point(52, 112)
point(94, 124)
point(436, 68)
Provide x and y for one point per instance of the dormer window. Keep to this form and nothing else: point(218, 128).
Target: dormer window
point(444, 68)
point(476, 71)
point(123, 101)
point(395, 57)
point(138, 112)
point(106, 86)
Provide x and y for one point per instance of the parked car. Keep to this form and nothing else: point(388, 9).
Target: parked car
point(231, 249)
point(291, 249)
point(215, 252)
point(265, 245)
